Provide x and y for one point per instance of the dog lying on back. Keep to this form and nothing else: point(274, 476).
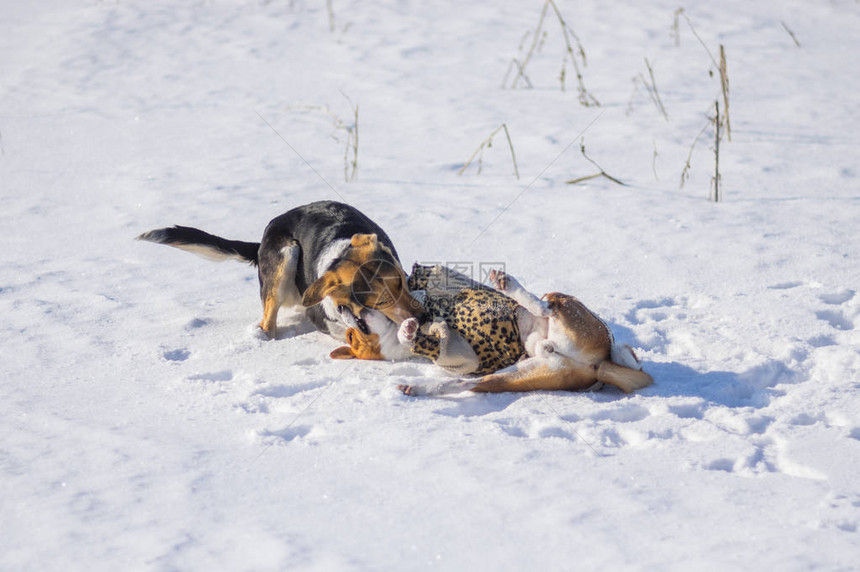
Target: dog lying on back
point(565, 346)
point(473, 331)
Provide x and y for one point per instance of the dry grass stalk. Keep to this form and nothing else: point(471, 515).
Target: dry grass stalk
point(721, 66)
point(328, 4)
point(701, 41)
point(520, 73)
point(573, 54)
point(585, 98)
point(676, 33)
point(654, 161)
point(724, 85)
point(636, 81)
point(351, 166)
point(486, 143)
point(532, 48)
point(718, 120)
point(685, 172)
point(716, 181)
point(600, 173)
point(652, 90)
point(790, 33)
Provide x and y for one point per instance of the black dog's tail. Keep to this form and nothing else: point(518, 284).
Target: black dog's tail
point(204, 244)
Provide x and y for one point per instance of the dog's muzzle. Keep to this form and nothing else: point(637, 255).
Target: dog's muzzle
point(352, 320)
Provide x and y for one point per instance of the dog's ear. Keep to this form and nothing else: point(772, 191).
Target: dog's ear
point(327, 287)
point(318, 290)
point(344, 352)
point(359, 240)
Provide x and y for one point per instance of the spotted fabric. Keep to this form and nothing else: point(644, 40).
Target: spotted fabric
point(486, 318)
point(438, 279)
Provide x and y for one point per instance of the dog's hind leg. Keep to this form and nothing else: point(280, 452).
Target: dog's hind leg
point(455, 354)
point(503, 380)
point(552, 373)
point(445, 387)
point(277, 271)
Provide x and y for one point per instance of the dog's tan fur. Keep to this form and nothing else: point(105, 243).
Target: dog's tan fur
point(277, 288)
point(361, 346)
point(578, 351)
point(366, 276)
point(577, 354)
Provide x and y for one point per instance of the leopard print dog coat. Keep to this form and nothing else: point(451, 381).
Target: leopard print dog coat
point(486, 318)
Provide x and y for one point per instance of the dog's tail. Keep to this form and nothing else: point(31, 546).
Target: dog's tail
point(624, 371)
point(204, 244)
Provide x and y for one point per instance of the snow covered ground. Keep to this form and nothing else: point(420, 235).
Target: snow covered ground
point(146, 425)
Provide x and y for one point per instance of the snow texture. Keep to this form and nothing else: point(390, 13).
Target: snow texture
point(148, 425)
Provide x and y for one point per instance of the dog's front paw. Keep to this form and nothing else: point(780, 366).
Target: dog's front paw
point(499, 279)
point(445, 387)
point(407, 331)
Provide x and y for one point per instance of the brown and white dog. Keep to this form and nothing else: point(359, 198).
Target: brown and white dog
point(568, 347)
point(326, 256)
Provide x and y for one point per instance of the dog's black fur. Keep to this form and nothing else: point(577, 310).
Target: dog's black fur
point(312, 228)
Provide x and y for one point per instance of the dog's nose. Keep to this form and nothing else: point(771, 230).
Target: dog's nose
point(352, 320)
point(362, 325)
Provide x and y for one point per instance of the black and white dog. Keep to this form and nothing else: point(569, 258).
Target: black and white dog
point(326, 256)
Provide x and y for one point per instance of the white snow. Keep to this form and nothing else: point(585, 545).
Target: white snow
point(145, 424)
